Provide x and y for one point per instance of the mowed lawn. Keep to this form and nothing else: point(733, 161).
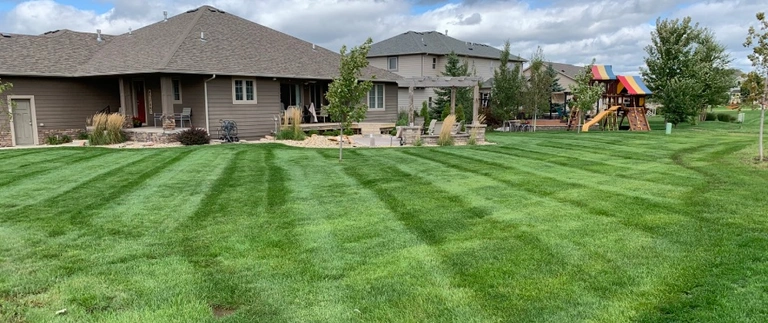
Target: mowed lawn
point(547, 227)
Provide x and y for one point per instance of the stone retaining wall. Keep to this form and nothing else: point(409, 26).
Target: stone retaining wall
point(156, 137)
point(44, 133)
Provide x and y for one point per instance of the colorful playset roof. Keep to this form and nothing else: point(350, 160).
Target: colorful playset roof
point(603, 73)
point(633, 84)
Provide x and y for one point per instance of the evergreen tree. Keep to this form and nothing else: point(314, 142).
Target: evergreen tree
point(453, 68)
point(506, 94)
point(556, 87)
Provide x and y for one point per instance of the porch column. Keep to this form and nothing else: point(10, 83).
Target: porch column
point(166, 95)
point(453, 100)
point(410, 105)
point(476, 105)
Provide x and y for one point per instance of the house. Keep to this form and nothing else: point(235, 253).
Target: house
point(566, 73)
point(221, 66)
point(424, 54)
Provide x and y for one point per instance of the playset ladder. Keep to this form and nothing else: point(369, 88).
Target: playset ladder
point(637, 119)
point(573, 119)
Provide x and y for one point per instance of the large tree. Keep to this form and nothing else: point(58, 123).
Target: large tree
point(454, 67)
point(686, 63)
point(506, 94)
point(538, 89)
point(347, 92)
point(585, 94)
point(758, 40)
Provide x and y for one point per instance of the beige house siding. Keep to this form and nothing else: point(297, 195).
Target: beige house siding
point(63, 104)
point(192, 96)
point(419, 95)
point(390, 106)
point(253, 120)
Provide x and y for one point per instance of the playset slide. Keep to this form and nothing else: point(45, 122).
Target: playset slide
point(599, 117)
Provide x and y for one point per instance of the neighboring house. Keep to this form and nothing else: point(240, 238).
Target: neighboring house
point(566, 73)
point(423, 54)
point(219, 65)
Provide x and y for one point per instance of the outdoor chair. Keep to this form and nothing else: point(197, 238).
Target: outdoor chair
point(431, 129)
point(398, 135)
point(457, 127)
point(185, 115)
point(323, 114)
point(157, 117)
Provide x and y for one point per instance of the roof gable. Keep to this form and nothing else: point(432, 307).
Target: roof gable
point(433, 42)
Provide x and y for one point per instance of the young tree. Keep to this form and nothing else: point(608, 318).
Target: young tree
point(346, 92)
point(507, 88)
point(585, 94)
point(453, 67)
point(758, 40)
point(688, 56)
point(6, 116)
point(538, 89)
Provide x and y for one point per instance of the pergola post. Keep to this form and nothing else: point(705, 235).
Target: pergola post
point(476, 104)
point(410, 105)
point(453, 100)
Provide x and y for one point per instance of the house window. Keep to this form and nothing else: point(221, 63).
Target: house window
point(176, 91)
point(392, 63)
point(243, 91)
point(485, 99)
point(434, 63)
point(376, 97)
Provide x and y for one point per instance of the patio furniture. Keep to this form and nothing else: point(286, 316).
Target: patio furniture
point(457, 127)
point(431, 129)
point(157, 117)
point(323, 113)
point(186, 114)
point(398, 135)
point(312, 112)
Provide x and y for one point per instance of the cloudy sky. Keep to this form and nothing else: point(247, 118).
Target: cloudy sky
point(611, 31)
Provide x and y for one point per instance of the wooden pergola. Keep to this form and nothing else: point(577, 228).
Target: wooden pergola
point(442, 82)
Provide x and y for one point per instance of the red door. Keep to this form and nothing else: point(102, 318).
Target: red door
point(140, 106)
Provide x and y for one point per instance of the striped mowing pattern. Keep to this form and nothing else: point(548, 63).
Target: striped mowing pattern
point(539, 227)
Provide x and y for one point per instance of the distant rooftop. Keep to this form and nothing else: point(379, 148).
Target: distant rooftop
point(433, 42)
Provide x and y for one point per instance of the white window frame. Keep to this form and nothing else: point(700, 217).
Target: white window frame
point(173, 88)
point(389, 61)
point(245, 97)
point(434, 63)
point(383, 97)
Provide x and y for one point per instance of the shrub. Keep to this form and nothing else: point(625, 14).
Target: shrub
point(331, 133)
point(290, 134)
point(402, 119)
point(193, 136)
point(725, 117)
point(425, 113)
point(445, 138)
point(418, 142)
point(57, 139)
point(711, 117)
point(82, 135)
point(312, 132)
point(291, 126)
point(107, 129)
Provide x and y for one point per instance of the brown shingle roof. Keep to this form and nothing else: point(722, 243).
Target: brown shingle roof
point(231, 46)
point(56, 53)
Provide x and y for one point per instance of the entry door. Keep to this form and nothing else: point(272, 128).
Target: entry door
point(141, 110)
point(22, 123)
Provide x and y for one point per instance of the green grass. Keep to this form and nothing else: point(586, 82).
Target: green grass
point(542, 227)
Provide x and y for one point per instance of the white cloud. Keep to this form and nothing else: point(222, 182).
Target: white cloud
point(612, 31)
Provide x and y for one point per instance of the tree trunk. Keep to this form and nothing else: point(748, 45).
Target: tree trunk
point(578, 127)
point(341, 139)
point(762, 125)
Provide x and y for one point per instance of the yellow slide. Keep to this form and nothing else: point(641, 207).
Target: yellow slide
point(599, 117)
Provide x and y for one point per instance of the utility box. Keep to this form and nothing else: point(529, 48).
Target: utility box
point(669, 128)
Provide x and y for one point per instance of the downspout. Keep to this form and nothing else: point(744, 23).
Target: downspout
point(205, 90)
